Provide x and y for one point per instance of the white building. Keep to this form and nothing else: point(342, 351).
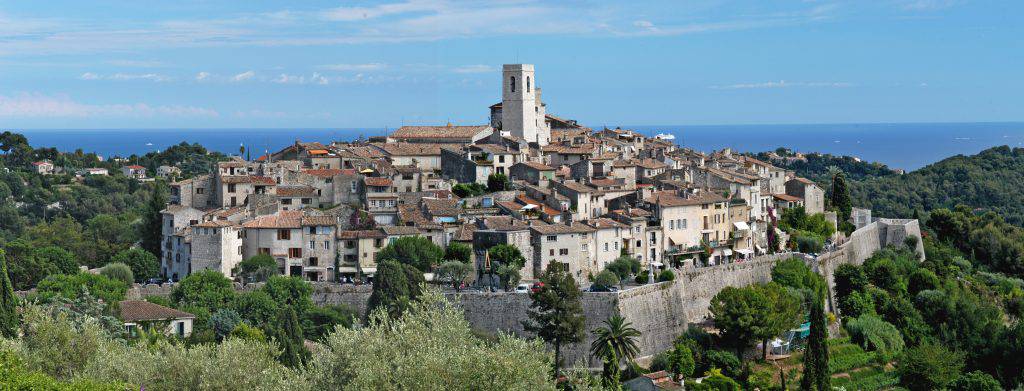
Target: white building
point(522, 113)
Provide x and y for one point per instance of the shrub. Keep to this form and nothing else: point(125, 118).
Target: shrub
point(143, 264)
point(873, 333)
point(641, 278)
point(975, 381)
point(118, 271)
point(605, 279)
point(929, 367)
point(725, 361)
point(71, 287)
point(666, 275)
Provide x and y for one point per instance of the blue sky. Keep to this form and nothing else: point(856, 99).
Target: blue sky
point(210, 64)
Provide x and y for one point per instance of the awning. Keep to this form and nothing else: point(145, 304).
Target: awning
point(727, 252)
point(347, 269)
point(741, 225)
point(745, 251)
point(657, 264)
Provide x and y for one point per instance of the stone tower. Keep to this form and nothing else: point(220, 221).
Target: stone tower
point(522, 113)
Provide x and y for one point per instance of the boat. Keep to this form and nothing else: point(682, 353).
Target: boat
point(149, 144)
point(665, 136)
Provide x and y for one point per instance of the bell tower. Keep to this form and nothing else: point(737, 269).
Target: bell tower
point(521, 113)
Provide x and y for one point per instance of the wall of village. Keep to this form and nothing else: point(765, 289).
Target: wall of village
point(660, 311)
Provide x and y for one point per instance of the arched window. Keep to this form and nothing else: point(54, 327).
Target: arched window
point(527, 84)
point(513, 83)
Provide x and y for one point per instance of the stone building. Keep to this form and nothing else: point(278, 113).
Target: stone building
point(812, 194)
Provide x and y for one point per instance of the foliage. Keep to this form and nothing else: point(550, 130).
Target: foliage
point(72, 286)
point(680, 361)
point(248, 333)
point(289, 336)
point(724, 362)
point(797, 219)
point(623, 267)
point(257, 308)
point(119, 272)
point(508, 274)
point(975, 381)
point(206, 290)
point(257, 268)
point(604, 280)
point(715, 381)
point(794, 273)
point(223, 322)
point(839, 197)
point(459, 252)
point(816, 374)
point(320, 321)
point(875, 334)
point(144, 265)
point(741, 315)
point(14, 376)
point(666, 275)
point(617, 337)
point(430, 346)
point(392, 289)
point(498, 182)
point(8, 302)
point(928, 367)
point(506, 261)
point(786, 313)
point(56, 344)
point(417, 251)
point(455, 273)
point(556, 313)
point(464, 190)
point(152, 228)
point(28, 264)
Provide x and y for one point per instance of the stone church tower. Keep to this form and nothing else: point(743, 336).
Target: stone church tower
point(522, 113)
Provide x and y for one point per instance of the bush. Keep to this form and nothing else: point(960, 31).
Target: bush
point(725, 361)
point(605, 279)
point(873, 333)
point(223, 322)
point(257, 268)
point(71, 286)
point(143, 264)
point(975, 381)
point(248, 333)
point(624, 267)
point(666, 275)
point(929, 367)
point(641, 278)
point(118, 271)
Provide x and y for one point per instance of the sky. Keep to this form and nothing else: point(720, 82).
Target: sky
point(271, 64)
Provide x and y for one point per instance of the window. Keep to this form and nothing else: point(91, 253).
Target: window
point(606, 247)
point(199, 190)
point(684, 223)
point(193, 222)
point(527, 84)
point(312, 244)
point(239, 250)
point(501, 158)
point(264, 250)
point(295, 252)
point(639, 243)
point(636, 229)
point(585, 247)
point(671, 224)
point(241, 234)
point(313, 261)
point(552, 238)
point(552, 252)
point(563, 251)
point(284, 234)
point(306, 201)
point(312, 230)
point(352, 186)
point(327, 245)
point(286, 201)
point(616, 246)
point(350, 244)
point(513, 83)
point(231, 188)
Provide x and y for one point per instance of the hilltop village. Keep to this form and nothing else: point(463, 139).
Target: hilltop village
point(556, 190)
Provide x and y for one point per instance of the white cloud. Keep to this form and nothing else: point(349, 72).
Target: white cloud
point(782, 84)
point(203, 76)
point(474, 69)
point(244, 76)
point(347, 14)
point(643, 24)
point(136, 63)
point(125, 77)
point(354, 67)
point(926, 5)
point(32, 105)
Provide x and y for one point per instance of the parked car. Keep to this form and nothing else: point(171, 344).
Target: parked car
point(154, 281)
point(522, 288)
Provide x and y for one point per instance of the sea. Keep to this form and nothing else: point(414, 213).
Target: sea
point(907, 146)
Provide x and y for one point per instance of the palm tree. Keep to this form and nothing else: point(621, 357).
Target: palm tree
point(617, 336)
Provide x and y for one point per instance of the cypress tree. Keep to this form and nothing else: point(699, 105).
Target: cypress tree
point(840, 197)
point(816, 376)
point(152, 231)
point(390, 289)
point(289, 335)
point(8, 302)
point(556, 313)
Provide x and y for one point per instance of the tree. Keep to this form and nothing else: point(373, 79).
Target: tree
point(152, 230)
point(258, 268)
point(928, 367)
point(143, 264)
point(417, 251)
point(785, 313)
point(623, 267)
point(839, 197)
point(320, 321)
point(430, 347)
point(208, 290)
point(62, 260)
point(556, 313)
point(741, 315)
point(816, 374)
point(666, 275)
point(975, 381)
point(257, 308)
point(118, 271)
point(498, 182)
point(289, 336)
point(873, 333)
point(390, 290)
point(223, 322)
point(8, 302)
point(72, 287)
point(680, 361)
point(605, 280)
point(618, 336)
point(506, 261)
point(459, 252)
point(509, 275)
point(290, 291)
point(454, 273)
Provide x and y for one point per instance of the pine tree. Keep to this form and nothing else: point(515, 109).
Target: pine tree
point(152, 231)
point(289, 336)
point(390, 289)
point(8, 302)
point(816, 376)
point(556, 314)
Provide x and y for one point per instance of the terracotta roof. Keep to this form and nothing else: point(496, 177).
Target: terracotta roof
point(263, 180)
point(443, 132)
point(608, 182)
point(538, 166)
point(140, 310)
point(215, 224)
point(400, 230)
point(465, 232)
point(296, 191)
point(412, 149)
point(441, 207)
point(230, 179)
point(787, 197)
point(523, 199)
point(554, 229)
point(504, 223)
point(377, 181)
point(317, 151)
point(283, 219)
point(668, 198)
point(362, 234)
point(602, 223)
point(650, 164)
point(323, 172)
point(135, 167)
point(40, 163)
point(632, 212)
point(317, 220)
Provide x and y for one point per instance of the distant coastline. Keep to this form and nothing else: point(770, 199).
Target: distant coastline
point(899, 145)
